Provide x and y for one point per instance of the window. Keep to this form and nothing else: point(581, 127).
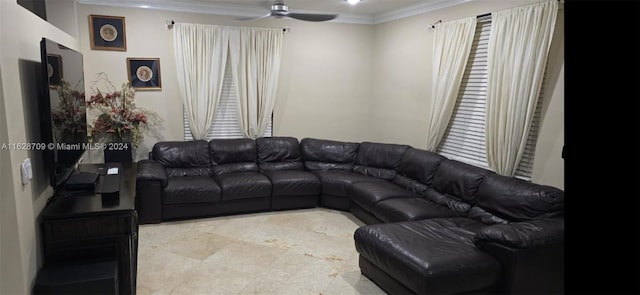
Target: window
point(225, 123)
point(464, 139)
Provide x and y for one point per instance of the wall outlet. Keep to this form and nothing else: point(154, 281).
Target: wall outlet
point(25, 171)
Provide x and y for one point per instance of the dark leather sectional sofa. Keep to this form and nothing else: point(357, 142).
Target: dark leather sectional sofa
point(434, 225)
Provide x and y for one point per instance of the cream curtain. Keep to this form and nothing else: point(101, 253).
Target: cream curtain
point(201, 54)
point(255, 62)
point(451, 47)
point(518, 49)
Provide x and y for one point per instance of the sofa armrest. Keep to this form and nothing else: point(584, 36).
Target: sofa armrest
point(151, 170)
point(531, 254)
point(151, 178)
point(526, 234)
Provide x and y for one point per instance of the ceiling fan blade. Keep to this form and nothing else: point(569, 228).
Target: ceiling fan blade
point(312, 17)
point(252, 17)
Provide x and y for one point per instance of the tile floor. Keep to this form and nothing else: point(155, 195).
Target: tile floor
point(307, 251)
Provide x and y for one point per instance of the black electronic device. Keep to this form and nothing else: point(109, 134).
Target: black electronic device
point(109, 184)
point(62, 106)
point(82, 181)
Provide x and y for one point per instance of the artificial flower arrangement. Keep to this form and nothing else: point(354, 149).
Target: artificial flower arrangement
point(69, 116)
point(119, 119)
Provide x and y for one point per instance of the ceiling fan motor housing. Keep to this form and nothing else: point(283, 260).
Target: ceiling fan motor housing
point(279, 8)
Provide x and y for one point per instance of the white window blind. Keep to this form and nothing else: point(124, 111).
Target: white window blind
point(525, 167)
point(226, 119)
point(464, 139)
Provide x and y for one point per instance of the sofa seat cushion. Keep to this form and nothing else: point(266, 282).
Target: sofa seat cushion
point(243, 185)
point(405, 209)
point(367, 194)
point(435, 256)
point(294, 183)
point(336, 182)
point(191, 189)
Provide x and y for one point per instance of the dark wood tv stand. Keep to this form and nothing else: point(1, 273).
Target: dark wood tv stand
point(85, 227)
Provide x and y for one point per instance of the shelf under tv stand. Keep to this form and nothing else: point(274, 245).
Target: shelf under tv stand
point(85, 226)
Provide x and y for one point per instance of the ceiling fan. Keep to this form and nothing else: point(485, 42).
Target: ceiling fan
point(280, 10)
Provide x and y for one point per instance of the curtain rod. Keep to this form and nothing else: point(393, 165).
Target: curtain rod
point(433, 25)
point(170, 24)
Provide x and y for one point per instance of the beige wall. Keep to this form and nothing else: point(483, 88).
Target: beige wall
point(20, 205)
point(324, 89)
point(325, 76)
point(59, 14)
point(402, 80)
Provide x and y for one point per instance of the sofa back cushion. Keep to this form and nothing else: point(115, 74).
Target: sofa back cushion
point(233, 155)
point(320, 154)
point(379, 159)
point(416, 170)
point(502, 199)
point(455, 185)
point(279, 153)
point(183, 158)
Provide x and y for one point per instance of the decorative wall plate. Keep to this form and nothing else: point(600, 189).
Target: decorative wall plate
point(108, 32)
point(144, 73)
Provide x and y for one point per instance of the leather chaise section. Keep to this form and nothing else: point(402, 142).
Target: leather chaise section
point(429, 256)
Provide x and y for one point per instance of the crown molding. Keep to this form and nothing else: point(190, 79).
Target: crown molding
point(208, 8)
point(342, 17)
point(248, 11)
point(415, 10)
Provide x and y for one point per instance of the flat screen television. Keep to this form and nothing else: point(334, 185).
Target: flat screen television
point(63, 114)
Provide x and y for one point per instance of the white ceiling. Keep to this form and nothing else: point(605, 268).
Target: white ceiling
point(366, 12)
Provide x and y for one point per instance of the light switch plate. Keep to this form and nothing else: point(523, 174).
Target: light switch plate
point(26, 171)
